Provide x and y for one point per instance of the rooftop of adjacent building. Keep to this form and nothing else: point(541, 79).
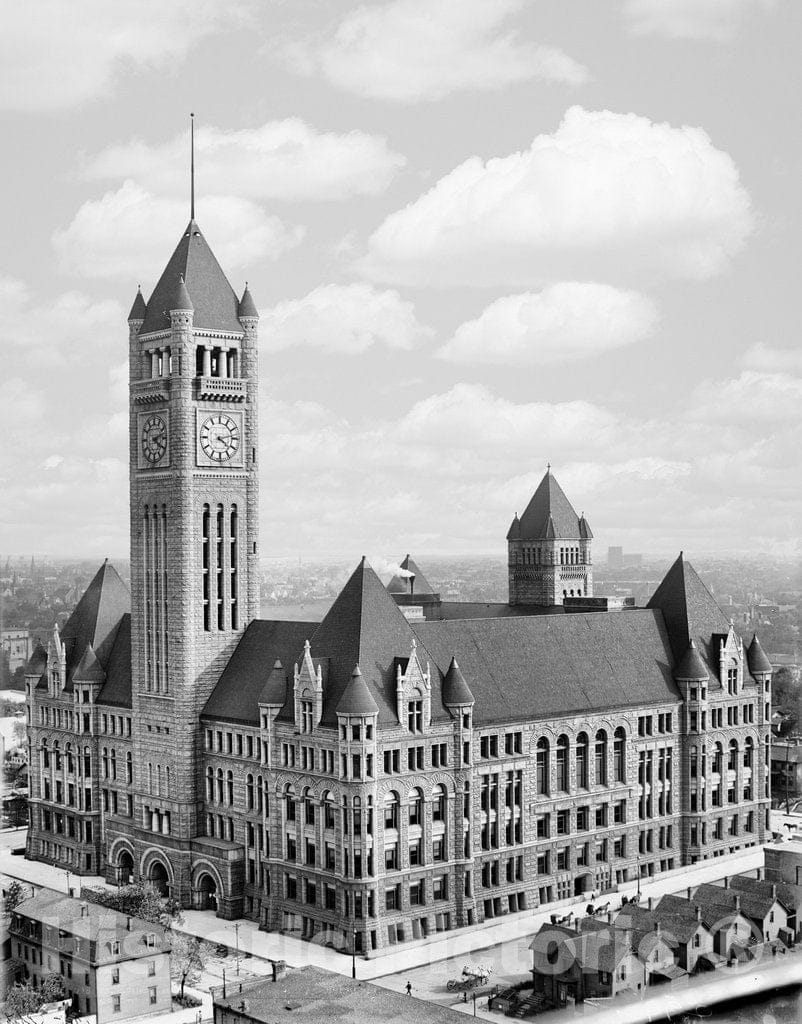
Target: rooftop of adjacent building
point(313, 995)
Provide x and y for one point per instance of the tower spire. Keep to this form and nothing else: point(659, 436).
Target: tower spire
point(192, 166)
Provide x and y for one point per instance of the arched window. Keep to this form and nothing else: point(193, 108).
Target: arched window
point(391, 810)
point(45, 754)
point(113, 763)
point(69, 757)
point(309, 807)
point(150, 777)
point(732, 759)
point(542, 765)
point(416, 807)
point(219, 785)
point(562, 763)
point(105, 762)
point(289, 803)
point(601, 758)
point(209, 784)
point(88, 762)
point(167, 780)
point(328, 810)
point(357, 815)
point(748, 752)
point(129, 769)
point(249, 791)
point(229, 787)
point(582, 745)
point(261, 796)
point(620, 755)
point(718, 759)
point(439, 803)
point(57, 755)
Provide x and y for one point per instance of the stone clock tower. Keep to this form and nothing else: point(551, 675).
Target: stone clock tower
point(194, 530)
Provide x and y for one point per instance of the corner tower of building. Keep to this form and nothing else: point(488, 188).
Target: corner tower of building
point(194, 526)
point(549, 555)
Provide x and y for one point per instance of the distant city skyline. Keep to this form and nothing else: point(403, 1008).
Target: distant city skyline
point(483, 235)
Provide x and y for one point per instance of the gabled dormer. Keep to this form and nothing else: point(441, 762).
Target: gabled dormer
point(308, 688)
point(731, 662)
point(413, 691)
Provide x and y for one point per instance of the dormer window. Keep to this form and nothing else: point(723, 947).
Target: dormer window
point(115, 948)
point(150, 940)
point(415, 715)
point(732, 680)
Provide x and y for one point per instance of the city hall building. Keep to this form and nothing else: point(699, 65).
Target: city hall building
point(406, 766)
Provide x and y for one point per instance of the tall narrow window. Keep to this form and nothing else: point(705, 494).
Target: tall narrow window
point(582, 760)
point(542, 764)
point(562, 763)
point(207, 624)
point(162, 611)
point(233, 567)
point(220, 582)
point(619, 755)
point(146, 558)
point(601, 758)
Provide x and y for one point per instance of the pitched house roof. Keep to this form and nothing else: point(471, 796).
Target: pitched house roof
point(789, 895)
point(754, 905)
point(691, 613)
point(549, 516)
point(214, 300)
point(711, 913)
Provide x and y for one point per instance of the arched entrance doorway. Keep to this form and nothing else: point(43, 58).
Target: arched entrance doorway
point(159, 878)
point(207, 892)
point(582, 884)
point(125, 868)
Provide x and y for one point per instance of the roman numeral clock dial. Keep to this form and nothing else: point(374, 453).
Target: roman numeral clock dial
point(154, 439)
point(219, 437)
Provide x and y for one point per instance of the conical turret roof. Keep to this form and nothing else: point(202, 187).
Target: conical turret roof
point(214, 300)
point(550, 515)
point(37, 661)
point(179, 297)
point(357, 698)
point(756, 657)
point(274, 692)
point(139, 309)
point(514, 532)
point(455, 690)
point(247, 307)
point(691, 667)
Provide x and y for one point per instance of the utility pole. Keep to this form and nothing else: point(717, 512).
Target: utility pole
point(353, 953)
point(236, 939)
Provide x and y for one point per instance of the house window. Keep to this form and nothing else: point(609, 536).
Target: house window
point(115, 1004)
point(152, 994)
point(115, 976)
point(151, 968)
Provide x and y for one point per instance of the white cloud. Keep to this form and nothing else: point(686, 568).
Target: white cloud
point(287, 160)
point(56, 55)
point(767, 398)
point(567, 321)
point(691, 19)
point(412, 50)
point(605, 191)
point(765, 359)
point(348, 319)
point(126, 234)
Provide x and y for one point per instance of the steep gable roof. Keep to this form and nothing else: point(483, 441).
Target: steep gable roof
point(214, 300)
point(549, 515)
point(690, 612)
point(789, 895)
point(752, 904)
point(116, 690)
point(236, 695)
point(95, 619)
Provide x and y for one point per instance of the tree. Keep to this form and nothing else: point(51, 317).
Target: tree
point(188, 958)
point(24, 999)
point(140, 899)
point(15, 894)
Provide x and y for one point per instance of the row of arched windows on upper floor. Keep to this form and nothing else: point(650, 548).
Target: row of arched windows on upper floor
point(220, 789)
point(555, 772)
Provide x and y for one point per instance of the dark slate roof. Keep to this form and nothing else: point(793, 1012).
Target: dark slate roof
point(549, 514)
point(691, 666)
point(690, 612)
point(585, 531)
point(788, 894)
point(514, 532)
point(754, 905)
point(357, 698)
point(405, 584)
point(455, 690)
point(117, 688)
point(37, 661)
point(537, 666)
point(215, 302)
point(139, 309)
point(247, 307)
point(274, 692)
point(236, 696)
point(179, 296)
point(88, 669)
point(678, 907)
point(756, 657)
point(490, 610)
point(95, 620)
point(365, 627)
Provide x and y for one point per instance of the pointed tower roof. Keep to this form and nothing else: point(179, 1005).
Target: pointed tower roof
point(691, 666)
point(139, 309)
point(88, 669)
point(756, 658)
point(179, 297)
point(585, 531)
point(550, 515)
point(514, 532)
point(357, 698)
point(215, 302)
point(247, 307)
point(455, 690)
point(274, 691)
point(96, 618)
point(363, 627)
point(37, 661)
point(416, 583)
point(690, 612)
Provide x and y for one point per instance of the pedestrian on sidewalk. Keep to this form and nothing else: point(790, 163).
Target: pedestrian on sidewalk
point(409, 988)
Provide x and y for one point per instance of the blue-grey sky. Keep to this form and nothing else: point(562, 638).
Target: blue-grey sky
point(482, 235)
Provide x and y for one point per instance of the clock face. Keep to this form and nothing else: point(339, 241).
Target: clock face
point(219, 437)
point(154, 439)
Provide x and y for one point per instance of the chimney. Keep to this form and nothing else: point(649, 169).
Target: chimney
point(690, 892)
point(651, 902)
point(760, 874)
point(738, 903)
point(726, 881)
point(129, 923)
point(279, 969)
point(774, 890)
point(84, 910)
point(412, 583)
point(698, 913)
